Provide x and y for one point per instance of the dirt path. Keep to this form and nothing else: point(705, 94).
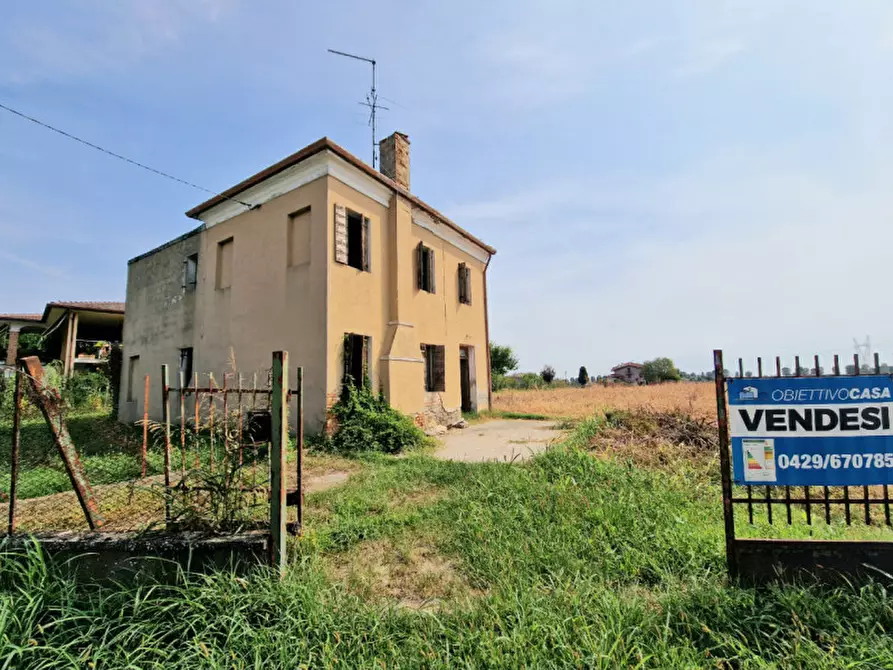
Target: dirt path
point(502, 440)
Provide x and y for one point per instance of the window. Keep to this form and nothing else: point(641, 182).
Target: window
point(356, 359)
point(185, 368)
point(299, 238)
point(190, 272)
point(224, 264)
point(464, 284)
point(425, 268)
point(351, 238)
point(433, 355)
point(132, 369)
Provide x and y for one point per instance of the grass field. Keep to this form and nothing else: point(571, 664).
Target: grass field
point(582, 557)
point(695, 398)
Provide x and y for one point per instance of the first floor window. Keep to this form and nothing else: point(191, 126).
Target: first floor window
point(425, 268)
point(133, 365)
point(185, 366)
point(352, 239)
point(190, 272)
point(434, 355)
point(464, 284)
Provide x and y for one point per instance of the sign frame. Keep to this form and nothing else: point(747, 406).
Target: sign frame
point(762, 560)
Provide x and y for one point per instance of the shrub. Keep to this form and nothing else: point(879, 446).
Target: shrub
point(366, 422)
point(548, 374)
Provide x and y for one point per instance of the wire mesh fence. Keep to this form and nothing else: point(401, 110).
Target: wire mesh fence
point(204, 464)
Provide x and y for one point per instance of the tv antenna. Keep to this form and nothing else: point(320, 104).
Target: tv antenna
point(371, 100)
point(863, 349)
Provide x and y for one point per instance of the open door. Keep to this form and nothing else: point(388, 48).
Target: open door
point(465, 378)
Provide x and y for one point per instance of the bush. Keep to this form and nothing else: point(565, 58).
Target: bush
point(366, 422)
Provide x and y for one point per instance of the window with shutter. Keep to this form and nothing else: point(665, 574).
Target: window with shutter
point(432, 285)
point(340, 234)
point(464, 284)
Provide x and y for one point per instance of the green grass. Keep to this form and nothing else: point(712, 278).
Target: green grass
point(568, 561)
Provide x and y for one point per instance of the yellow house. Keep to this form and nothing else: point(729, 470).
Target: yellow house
point(332, 261)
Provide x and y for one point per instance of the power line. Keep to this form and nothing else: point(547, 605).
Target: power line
point(119, 156)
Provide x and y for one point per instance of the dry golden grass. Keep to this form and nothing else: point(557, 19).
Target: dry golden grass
point(695, 398)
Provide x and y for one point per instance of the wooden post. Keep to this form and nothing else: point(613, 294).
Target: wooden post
point(166, 417)
point(51, 407)
point(14, 456)
point(278, 443)
point(145, 427)
point(299, 442)
point(724, 463)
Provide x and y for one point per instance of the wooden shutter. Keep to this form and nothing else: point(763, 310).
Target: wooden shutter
point(463, 284)
point(467, 285)
point(185, 272)
point(420, 265)
point(340, 234)
point(367, 375)
point(432, 285)
point(439, 368)
point(367, 261)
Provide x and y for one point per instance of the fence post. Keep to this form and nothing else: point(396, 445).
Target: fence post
point(299, 443)
point(166, 417)
point(14, 456)
point(722, 420)
point(145, 427)
point(278, 444)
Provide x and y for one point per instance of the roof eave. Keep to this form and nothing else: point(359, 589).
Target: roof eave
point(326, 144)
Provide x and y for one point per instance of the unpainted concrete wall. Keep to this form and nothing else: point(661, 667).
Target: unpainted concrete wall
point(160, 321)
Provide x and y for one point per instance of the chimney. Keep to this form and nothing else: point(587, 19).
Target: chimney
point(394, 158)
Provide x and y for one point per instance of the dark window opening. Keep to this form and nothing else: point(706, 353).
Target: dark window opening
point(190, 272)
point(355, 255)
point(185, 368)
point(425, 268)
point(132, 368)
point(434, 355)
point(356, 359)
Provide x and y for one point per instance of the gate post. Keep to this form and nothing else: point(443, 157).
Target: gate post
point(278, 444)
point(722, 420)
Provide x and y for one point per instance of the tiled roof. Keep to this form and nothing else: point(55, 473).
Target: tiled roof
point(20, 317)
point(626, 365)
point(116, 307)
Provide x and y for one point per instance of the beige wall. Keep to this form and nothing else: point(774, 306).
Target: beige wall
point(269, 305)
point(386, 305)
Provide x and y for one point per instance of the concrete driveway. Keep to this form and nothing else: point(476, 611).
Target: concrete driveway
point(500, 440)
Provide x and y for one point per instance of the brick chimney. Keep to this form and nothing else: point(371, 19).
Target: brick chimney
point(394, 158)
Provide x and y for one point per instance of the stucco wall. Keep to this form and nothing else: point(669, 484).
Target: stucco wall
point(387, 305)
point(160, 321)
point(269, 305)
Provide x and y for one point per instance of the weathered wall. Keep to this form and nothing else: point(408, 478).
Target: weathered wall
point(387, 305)
point(270, 305)
point(160, 321)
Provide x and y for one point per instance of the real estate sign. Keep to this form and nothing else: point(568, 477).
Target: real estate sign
point(806, 431)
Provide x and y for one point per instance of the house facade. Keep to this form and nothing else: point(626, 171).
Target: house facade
point(332, 261)
point(631, 373)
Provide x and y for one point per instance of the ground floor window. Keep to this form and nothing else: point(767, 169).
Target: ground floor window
point(433, 355)
point(356, 359)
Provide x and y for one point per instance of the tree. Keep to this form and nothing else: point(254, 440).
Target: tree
point(548, 374)
point(583, 376)
point(786, 372)
point(660, 370)
point(502, 360)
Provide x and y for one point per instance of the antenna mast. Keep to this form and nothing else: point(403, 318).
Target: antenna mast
point(371, 100)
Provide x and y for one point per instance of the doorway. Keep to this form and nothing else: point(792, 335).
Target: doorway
point(466, 378)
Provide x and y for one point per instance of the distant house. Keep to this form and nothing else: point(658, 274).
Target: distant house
point(631, 373)
point(76, 333)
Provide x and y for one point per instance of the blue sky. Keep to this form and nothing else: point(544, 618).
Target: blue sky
point(659, 178)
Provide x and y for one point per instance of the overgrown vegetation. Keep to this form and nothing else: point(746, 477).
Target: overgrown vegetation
point(366, 422)
point(566, 561)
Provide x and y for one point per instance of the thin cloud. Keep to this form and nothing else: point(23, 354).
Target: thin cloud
point(42, 268)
